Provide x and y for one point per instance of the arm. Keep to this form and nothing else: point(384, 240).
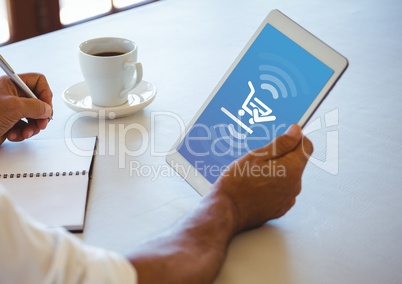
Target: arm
point(14, 106)
point(193, 252)
point(33, 253)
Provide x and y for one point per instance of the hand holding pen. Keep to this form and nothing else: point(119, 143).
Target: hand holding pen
point(21, 114)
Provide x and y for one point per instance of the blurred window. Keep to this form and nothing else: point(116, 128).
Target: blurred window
point(72, 11)
point(4, 26)
point(49, 16)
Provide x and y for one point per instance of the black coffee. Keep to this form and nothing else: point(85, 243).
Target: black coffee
point(108, 53)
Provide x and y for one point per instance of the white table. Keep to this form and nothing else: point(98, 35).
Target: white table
point(345, 228)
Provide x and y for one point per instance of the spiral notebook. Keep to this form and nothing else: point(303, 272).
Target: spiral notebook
point(49, 179)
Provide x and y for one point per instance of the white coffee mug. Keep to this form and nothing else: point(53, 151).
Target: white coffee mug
point(108, 65)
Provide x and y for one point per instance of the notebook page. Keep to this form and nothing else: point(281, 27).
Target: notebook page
point(48, 179)
point(57, 201)
point(45, 156)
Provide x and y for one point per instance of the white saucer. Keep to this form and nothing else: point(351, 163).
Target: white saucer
point(78, 99)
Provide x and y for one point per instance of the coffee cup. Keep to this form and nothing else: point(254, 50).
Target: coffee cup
point(110, 69)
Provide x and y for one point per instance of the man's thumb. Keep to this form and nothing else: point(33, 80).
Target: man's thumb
point(282, 144)
point(36, 109)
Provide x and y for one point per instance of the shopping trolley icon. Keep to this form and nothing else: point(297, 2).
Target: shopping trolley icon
point(254, 107)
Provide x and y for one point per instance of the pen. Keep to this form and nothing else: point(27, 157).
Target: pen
point(16, 79)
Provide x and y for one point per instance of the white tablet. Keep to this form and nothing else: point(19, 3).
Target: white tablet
point(279, 78)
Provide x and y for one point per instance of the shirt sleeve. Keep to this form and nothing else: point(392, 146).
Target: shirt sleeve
point(33, 253)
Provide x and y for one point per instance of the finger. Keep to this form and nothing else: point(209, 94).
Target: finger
point(30, 130)
point(302, 153)
point(42, 123)
point(32, 108)
point(39, 85)
point(283, 144)
point(8, 87)
point(307, 147)
point(23, 130)
point(15, 133)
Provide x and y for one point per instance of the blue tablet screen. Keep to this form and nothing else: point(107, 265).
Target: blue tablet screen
point(270, 88)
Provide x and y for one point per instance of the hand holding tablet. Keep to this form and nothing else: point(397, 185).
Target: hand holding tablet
point(279, 79)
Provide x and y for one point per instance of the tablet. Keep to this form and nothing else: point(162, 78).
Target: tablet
point(279, 78)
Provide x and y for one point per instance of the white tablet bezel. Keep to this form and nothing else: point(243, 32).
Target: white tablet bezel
point(304, 39)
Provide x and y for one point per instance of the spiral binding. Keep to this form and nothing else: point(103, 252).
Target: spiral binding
point(50, 174)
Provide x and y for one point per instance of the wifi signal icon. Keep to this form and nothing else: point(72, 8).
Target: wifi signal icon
point(277, 82)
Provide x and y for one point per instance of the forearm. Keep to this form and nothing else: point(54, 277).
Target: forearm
point(193, 251)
